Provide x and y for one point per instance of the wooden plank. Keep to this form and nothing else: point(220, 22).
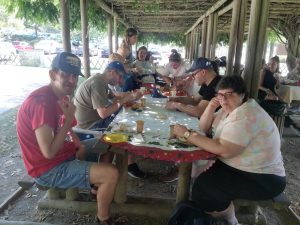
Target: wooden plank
point(225, 9)
point(85, 37)
point(65, 24)
point(208, 12)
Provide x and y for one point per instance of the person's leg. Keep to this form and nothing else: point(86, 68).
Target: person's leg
point(227, 214)
point(133, 169)
point(105, 177)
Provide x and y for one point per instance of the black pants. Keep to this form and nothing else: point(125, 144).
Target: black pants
point(214, 189)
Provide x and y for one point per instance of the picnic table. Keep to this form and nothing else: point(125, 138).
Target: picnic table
point(154, 142)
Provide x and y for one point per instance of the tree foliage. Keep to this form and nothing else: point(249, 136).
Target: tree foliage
point(289, 28)
point(162, 38)
point(33, 11)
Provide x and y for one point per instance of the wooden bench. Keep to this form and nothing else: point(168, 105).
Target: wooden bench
point(248, 211)
point(70, 194)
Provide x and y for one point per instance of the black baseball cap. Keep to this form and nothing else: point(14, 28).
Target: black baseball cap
point(118, 66)
point(68, 63)
point(200, 63)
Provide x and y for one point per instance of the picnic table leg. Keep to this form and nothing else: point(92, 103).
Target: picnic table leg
point(121, 189)
point(183, 186)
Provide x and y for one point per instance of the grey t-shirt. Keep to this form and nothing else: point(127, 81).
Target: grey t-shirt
point(92, 94)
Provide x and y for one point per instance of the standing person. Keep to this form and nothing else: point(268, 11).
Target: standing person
point(49, 148)
point(269, 80)
point(247, 144)
point(96, 105)
point(131, 37)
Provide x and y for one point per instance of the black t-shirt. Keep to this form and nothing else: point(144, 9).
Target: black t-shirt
point(208, 91)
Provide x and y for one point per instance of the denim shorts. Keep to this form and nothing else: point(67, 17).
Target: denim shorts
point(69, 174)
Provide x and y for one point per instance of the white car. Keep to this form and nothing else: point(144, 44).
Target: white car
point(7, 50)
point(48, 46)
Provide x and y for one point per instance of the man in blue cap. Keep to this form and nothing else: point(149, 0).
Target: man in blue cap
point(51, 151)
point(205, 76)
point(97, 105)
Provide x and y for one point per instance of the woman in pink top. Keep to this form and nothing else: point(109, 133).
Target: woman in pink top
point(247, 144)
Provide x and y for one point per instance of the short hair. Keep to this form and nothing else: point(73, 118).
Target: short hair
point(234, 82)
point(175, 57)
point(130, 32)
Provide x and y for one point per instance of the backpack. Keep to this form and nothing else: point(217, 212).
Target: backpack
point(186, 213)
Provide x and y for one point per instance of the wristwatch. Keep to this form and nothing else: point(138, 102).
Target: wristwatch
point(185, 135)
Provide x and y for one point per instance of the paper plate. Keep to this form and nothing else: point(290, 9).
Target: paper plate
point(115, 138)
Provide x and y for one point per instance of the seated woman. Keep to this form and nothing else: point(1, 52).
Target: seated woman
point(269, 80)
point(247, 144)
point(145, 68)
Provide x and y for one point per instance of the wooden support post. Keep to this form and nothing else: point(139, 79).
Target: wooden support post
point(183, 186)
point(256, 38)
point(109, 32)
point(203, 39)
point(233, 36)
point(116, 33)
point(187, 45)
point(209, 36)
point(240, 37)
point(193, 39)
point(215, 36)
point(197, 42)
point(65, 24)
point(85, 37)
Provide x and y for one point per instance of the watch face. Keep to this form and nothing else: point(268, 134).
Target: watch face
point(187, 134)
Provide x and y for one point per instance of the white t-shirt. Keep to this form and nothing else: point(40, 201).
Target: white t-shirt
point(250, 126)
point(179, 72)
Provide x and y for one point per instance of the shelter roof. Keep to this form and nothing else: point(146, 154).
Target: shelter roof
point(179, 16)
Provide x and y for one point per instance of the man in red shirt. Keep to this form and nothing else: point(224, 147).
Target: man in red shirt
point(50, 150)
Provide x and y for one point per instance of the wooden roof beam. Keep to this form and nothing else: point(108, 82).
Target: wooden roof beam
point(208, 12)
point(102, 5)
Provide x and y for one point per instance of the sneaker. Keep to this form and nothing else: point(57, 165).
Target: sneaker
point(135, 172)
point(170, 177)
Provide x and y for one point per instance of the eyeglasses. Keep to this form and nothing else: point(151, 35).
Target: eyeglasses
point(225, 95)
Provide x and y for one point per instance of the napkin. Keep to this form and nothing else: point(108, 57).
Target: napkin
point(138, 138)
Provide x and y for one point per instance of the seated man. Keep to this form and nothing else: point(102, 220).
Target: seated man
point(96, 105)
point(208, 79)
point(50, 150)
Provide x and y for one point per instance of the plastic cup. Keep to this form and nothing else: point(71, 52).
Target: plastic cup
point(139, 126)
point(143, 102)
point(173, 93)
point(172, 135)
point(143, 89)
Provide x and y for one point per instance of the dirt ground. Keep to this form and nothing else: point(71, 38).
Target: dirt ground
point(25, 207)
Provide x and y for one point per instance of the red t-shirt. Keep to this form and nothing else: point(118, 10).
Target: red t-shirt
point(38, 109)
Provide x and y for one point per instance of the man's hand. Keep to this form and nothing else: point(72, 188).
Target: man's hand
point(81, 153)
point(68, 109)
point(171, 105)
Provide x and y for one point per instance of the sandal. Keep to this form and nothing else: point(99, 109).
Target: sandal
point(110, 221)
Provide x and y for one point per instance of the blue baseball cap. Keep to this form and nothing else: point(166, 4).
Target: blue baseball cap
point(200, 63)
point(68, 63)
point(118, 66)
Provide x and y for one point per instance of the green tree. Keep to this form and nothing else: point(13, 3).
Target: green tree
point(289, 28)
point(35, 12)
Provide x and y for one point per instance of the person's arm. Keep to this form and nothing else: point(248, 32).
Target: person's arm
point(222, 148)
point(261, 80)
point(49, 143)
point(208, 117)
point(191, 110)
point(194, 100)
point(105, 112)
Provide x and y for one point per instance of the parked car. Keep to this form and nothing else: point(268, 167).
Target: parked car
point(7, 50)
point(22, 46)
point(156, 56)
point(104, 53)
point(48, 46)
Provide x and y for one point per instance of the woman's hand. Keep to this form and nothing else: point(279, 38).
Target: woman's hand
point(179, 130)
point(213, 104)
